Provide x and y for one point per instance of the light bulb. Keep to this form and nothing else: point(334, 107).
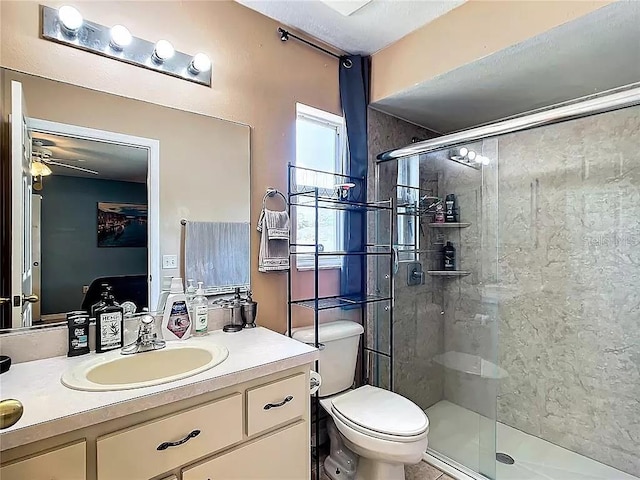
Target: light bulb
point(479, 158)
point(485, 161)
point(120, 37)
point(471, 155)
point(464, 151)
point(200, 63)
point(163, 51)
point(71, 19)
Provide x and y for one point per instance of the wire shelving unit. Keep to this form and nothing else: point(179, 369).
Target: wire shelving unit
point(326, 194)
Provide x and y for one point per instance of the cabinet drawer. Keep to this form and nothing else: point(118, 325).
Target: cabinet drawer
point(133, 454)
point(279, 402)
point(66, 463)
point(284, 455)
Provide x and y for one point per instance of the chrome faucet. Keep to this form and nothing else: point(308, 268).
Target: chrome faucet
point(147, 339)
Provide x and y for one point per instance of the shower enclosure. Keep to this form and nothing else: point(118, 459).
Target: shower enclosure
point(527, 357)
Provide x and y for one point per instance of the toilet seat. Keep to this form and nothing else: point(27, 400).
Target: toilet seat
point(381, 414)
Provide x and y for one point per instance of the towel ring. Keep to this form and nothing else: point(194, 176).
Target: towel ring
point(272, 192)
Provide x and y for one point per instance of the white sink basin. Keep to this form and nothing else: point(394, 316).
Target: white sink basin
point(114, 371)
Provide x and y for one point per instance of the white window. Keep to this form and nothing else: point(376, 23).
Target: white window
point(320, 145)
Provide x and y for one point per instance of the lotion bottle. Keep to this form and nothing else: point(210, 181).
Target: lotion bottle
point(176, 324)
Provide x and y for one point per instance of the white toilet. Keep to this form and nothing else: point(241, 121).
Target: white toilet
point(383, 428)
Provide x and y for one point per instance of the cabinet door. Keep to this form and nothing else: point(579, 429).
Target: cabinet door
point(162, 445)
point(284, 455)
point(67, 463)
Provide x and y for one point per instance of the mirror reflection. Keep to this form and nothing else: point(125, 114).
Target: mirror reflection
point(89, 224)
point(114, 194)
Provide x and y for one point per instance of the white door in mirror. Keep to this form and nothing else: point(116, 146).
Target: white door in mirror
point(21, 188)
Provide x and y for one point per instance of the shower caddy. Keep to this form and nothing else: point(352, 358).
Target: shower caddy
point(372, 306)
point(414, 209)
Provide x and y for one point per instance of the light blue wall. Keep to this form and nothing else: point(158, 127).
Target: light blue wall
point(70, 255)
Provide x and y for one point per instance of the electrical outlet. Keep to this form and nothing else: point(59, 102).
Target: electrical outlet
point(169, 261)
point(85, 289)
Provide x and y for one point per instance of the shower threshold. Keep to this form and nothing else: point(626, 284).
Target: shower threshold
point(453, 432)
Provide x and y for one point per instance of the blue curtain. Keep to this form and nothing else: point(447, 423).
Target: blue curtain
point(354, 96)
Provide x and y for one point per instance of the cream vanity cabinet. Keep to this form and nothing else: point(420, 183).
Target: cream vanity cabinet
point(258, 430)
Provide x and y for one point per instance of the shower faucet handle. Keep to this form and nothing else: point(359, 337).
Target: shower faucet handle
point(415, 274)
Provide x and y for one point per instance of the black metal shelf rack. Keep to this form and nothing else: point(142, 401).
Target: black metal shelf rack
point(319, 198)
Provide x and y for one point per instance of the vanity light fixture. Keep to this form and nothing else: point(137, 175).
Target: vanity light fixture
point(67, 27)
point(163, 51)
point(120, 37)
point(467, 157)
point(70, 20)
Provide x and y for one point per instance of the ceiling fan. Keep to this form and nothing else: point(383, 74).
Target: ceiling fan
point(43, 158)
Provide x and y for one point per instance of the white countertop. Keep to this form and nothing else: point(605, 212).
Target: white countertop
point(51, 409)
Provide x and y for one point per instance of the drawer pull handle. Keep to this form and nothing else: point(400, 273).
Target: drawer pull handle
point(269, 406)
point(165, 445)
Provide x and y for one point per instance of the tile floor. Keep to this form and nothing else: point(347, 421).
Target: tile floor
point(421, 471)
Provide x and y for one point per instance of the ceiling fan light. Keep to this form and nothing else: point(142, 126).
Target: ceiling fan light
point(39, 169)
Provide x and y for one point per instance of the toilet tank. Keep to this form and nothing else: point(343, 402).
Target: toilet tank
point(337, 363)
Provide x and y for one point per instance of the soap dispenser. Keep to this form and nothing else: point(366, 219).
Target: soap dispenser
point(249, 311)
point(200, 309)
point(176, 324)
point(234, 306)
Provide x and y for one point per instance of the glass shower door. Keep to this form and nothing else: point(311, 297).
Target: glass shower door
point(445, 326)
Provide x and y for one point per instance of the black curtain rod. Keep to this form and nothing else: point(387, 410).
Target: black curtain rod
point(285, 35)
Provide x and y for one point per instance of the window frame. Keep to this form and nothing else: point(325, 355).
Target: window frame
point(311, 114)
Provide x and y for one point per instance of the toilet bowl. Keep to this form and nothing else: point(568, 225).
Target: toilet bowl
point(379, 431)
point(384, 429)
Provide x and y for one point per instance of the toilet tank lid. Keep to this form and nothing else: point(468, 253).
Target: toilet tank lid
point(328, 331)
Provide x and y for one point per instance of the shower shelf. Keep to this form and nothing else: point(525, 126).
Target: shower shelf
point(449, 225)
point(448, 273)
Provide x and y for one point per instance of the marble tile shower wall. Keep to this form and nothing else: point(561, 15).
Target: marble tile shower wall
point(569, 254)
point(554, 252)
point(417, 321)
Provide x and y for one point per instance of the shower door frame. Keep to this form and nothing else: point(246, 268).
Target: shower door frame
point(608, 101)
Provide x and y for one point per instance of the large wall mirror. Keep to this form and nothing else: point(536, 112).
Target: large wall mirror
point(106, 189)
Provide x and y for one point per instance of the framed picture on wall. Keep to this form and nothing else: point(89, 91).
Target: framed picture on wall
point(122, 225)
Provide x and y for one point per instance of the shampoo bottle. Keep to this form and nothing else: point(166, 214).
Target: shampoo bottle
point(104, 294)
point(176, 324)
point(200, 308)
point(449, 254)
point(109, 325)
point(451, 209)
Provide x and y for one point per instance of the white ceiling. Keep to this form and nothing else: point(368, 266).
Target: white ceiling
point(112, 162)
point(376, 25)
point(594, 53)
